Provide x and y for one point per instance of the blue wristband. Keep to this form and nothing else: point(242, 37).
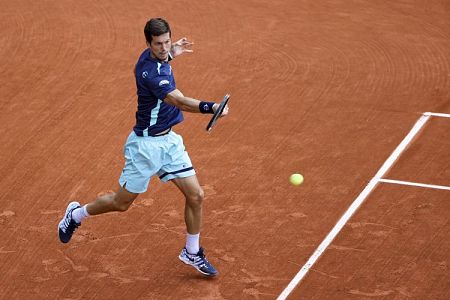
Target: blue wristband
point(206, 107)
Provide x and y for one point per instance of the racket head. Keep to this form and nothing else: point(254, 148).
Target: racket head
point(218, 112)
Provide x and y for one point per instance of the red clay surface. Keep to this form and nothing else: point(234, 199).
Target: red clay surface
point(395, 247)
point(327, 89)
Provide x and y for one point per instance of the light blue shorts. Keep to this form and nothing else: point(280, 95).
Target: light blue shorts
point(147, 156)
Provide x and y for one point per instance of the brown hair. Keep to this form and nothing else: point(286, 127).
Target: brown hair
point(156, 27)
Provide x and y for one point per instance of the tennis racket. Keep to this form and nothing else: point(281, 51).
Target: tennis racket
point(218, 112)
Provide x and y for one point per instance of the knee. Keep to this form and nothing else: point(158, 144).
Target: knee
point(196, 198)
point(121, 205)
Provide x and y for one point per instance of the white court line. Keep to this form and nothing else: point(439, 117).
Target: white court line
point(431, 186)
point(437, 115)
point(355, 205)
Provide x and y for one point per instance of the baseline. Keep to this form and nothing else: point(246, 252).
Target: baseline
point(437, 115)
point(431, 186)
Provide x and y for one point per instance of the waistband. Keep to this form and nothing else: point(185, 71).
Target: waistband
point(164, 132)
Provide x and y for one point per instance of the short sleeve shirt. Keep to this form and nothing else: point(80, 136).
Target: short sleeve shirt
point(154, 80)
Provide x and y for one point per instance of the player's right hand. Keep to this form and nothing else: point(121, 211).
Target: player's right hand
point(224, 112)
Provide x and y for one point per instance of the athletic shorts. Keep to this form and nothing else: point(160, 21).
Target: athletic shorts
point(146, 156)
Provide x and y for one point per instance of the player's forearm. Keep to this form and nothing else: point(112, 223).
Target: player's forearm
point(187, 104)
point(196, 106)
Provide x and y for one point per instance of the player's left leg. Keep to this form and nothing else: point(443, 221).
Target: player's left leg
point(178, 169)
point(192, 254)
point(194, 195)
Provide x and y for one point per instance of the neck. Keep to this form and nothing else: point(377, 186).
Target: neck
point(155, 57)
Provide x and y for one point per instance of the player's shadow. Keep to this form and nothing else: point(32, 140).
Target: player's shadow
point(188, 273)
point(196, 276)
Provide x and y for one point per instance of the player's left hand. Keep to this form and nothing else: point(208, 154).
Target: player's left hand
point(181, 46)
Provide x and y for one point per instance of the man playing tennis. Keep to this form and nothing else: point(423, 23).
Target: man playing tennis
point(153, 148)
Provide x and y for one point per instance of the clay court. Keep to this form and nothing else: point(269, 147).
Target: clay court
point(329, 89)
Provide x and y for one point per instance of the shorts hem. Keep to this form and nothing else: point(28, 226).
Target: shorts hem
point(131, 188)
point(169, 177)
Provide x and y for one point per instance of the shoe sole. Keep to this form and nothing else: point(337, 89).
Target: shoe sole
point(189, 264)
point(71, 206)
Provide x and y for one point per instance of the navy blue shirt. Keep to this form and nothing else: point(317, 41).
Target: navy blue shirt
point(154, 80)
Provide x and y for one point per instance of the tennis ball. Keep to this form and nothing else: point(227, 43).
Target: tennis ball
point(296, 179)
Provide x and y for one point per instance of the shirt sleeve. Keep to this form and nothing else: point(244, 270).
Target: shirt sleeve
point(160, 85)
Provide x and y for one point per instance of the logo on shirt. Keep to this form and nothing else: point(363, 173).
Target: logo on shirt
point(163, 82)
point(144, 74)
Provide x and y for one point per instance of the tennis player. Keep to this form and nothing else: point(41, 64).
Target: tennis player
point(153, 147)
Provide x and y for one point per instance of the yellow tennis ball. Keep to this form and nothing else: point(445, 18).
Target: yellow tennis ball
point(296, 179)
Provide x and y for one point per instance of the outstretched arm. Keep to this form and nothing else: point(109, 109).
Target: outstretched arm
point(188, 104)
point(179, 47)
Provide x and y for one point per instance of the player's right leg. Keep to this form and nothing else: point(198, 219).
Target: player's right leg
point(67, 225)
point(119, 201)
point(141, 162)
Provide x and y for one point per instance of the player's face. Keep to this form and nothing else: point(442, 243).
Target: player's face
point(160, 46)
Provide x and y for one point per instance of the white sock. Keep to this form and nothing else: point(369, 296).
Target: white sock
point(79, 214)
point(193, 243)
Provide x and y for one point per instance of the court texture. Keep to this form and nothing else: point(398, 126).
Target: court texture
point(354, 95)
